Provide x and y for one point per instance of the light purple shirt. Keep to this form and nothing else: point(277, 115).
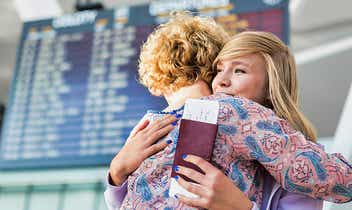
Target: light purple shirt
point(274, 197)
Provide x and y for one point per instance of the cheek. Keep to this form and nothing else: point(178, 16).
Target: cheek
point(249, 88)
point(242, 85)
point(259, 91)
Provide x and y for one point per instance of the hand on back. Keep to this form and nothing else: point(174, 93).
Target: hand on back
point(140, 145)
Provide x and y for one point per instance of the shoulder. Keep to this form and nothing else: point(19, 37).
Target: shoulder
point(241, 108)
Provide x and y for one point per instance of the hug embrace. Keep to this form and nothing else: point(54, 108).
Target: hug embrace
point(265, 154)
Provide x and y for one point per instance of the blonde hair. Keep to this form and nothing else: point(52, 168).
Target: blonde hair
point(281, 70)
point(180, 52)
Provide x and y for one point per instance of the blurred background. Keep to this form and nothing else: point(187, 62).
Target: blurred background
point(320, 34)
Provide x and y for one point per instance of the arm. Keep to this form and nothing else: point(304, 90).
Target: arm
point(216, 191)
point(139, 146)
point(297, 164)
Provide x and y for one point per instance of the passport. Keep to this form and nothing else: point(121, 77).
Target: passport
point(195, 138)
point(197, 134)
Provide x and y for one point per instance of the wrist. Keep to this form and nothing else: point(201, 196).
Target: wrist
point(118, 177)
point(247, 205)
point(242, 203)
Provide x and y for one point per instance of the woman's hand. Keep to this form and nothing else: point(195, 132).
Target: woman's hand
point(139, 146)
point(215, 190)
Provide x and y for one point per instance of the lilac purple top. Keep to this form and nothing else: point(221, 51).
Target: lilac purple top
point(251, 140)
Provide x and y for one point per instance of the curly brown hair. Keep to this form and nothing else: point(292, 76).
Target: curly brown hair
point(180, 52)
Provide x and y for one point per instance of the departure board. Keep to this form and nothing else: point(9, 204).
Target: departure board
point(75, 94)
point(2, 110)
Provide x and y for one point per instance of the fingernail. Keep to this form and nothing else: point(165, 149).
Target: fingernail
point(178, 116)
point(176, 177)
point(184, 156)
point(169, 141)
point(174, 123)
point(176, 168)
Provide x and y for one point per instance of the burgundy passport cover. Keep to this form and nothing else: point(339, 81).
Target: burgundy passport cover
point(196, 138)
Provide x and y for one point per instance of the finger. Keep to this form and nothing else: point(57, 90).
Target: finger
point(160, 123)
point(194, 188)
point(155, 148)
point(193, 202)
point(192, 174)
point(153, 137)
point(139, 127)
point(204, 165)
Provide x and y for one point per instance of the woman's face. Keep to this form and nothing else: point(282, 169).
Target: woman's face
point(245, 76)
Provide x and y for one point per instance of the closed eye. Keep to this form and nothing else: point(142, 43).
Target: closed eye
point(239, 71)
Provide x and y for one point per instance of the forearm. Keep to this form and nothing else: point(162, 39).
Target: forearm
point(301, 166)
point(117, 177)
point(308, 169)
point(297, 164)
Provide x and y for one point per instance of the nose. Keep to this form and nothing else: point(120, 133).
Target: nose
point(224, 82)
point(221, 83)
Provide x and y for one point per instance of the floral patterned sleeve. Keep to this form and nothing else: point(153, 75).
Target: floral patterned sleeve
point(297, 164)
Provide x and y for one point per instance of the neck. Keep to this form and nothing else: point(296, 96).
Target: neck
point(178, 98)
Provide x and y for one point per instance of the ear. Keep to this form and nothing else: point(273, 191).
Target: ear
point(164, 93)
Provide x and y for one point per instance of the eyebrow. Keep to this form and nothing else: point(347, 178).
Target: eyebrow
point(233, 63)
point(239, 63)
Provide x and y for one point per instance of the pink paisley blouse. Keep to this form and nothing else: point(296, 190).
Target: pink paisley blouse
point(250, 139)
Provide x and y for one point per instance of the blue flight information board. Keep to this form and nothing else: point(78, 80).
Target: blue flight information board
point(75, 94)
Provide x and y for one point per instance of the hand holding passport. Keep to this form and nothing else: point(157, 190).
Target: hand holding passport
point(197, 134)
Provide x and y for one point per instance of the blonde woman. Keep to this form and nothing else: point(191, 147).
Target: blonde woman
point(176, 63)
